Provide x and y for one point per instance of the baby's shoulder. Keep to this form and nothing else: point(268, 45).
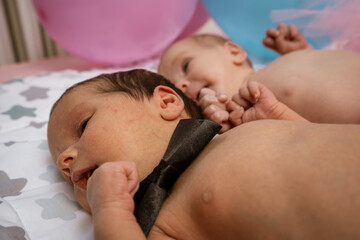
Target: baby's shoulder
point(306, 56)
point(296, 57)
point(288, 64)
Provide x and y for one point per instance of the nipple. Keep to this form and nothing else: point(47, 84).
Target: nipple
point(207, 196)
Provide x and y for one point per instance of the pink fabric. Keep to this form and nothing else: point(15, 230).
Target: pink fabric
point(12, 71)
point(337, 19)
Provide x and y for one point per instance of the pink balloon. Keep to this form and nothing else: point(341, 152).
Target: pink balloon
point(115, 32)
point(197, 20)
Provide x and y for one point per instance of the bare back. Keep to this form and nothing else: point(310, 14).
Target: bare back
point(321, 85)
point(238, 188)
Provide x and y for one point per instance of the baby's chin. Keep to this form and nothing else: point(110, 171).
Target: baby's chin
point(80, 196)
point(86, 207)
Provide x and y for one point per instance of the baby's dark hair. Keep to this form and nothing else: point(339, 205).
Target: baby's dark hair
point(138, 84)
point(211, 40)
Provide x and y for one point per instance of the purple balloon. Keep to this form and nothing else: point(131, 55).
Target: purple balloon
point(114, 32)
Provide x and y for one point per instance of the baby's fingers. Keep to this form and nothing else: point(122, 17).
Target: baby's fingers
point(250, 92)
point(236, 111)
point(283, 29)
point(219, 116)
point(235, 117)
point(222, 97)
point(208, 95)
point(240, 101)
point(207, 100)
point(216, 114)
point(269, 42)
point(206, 91)
point(272, 33)
point(112, 185)
point(294, 32)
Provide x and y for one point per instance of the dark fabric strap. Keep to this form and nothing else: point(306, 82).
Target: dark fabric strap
point(187, 141)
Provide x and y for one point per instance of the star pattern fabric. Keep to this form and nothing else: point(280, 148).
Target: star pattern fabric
point(52, 175)
point(10, 187)
point(18, 111)
point(51, 207)
point(34, 93)
point(37, 124)
point(12, 232)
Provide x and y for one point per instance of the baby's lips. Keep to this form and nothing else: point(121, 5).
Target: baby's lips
point(81, 177)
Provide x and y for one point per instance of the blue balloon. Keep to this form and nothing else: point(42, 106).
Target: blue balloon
point(246, 21)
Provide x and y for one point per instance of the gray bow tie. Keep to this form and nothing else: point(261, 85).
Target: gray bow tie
point(187, 141)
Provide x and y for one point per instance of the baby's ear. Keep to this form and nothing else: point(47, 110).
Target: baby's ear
point(169, 103)
point(237, 54)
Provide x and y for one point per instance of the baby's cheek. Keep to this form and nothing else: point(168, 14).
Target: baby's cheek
point(80, 196)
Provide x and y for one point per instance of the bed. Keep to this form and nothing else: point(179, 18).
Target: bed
point(35, 201)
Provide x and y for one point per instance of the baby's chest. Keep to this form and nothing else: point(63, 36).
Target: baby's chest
point(191, 208)
point(189, 219)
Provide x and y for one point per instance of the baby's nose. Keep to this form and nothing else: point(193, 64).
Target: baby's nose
point(65, 165)
point(182, 85)
point(65, 161)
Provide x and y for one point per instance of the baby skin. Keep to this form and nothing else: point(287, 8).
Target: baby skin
point(253, 102)
point(314, 84)
point(262, 180)
point(273, 193)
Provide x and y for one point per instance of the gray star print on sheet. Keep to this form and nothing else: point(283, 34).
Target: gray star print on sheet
point(18, 111)
point(12, 233)
point(52, 175)
point(10, 187)
point(59, 206)
point(34, 93)
point(37, 124)
point(8, 144)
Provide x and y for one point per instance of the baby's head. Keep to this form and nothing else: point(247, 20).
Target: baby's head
point(124, 116)
point(205, 61)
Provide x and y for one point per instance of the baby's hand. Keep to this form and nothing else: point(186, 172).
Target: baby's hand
point(213, 106)
point(256, 100)
point(112, 186)
point(285, 39)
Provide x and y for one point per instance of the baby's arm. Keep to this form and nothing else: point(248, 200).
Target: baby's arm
point(110, 192)
point(259, 103)
point(213, 106)
point(285, 39)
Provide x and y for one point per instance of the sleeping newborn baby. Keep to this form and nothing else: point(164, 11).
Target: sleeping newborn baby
point(320, 86)
point(124, 134)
